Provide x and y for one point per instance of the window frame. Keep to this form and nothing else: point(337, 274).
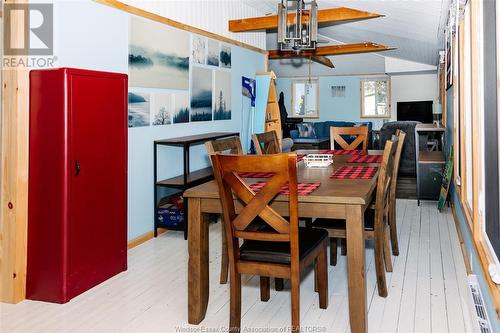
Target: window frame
point(362, 98)
point(477, 214)
point(292, 105)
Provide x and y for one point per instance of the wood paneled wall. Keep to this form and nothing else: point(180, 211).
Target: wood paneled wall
point(14, 177)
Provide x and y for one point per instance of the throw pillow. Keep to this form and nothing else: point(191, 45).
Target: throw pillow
point(306, 130)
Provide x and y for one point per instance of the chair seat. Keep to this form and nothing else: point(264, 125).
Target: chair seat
point(340, 224)
point(279, 252)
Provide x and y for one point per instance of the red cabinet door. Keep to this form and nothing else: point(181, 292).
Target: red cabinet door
point(98, 180)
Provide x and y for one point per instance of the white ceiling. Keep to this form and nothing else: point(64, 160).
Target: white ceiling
point(410, 26)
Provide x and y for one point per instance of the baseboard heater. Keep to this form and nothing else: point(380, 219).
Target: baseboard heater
point(479, 307)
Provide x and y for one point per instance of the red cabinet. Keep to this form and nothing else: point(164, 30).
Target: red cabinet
point(77, 210)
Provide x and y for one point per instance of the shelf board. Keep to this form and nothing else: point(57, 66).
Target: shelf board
point(436, 157)
point(193, 139)
point(193, 177)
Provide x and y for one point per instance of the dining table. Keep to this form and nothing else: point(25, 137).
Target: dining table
point(335, 198)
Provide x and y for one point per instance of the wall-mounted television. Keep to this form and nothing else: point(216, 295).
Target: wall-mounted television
point(416, 111)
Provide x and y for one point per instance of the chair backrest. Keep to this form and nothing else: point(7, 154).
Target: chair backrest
point(236, 226)
point(361, 134)
point(232, 145)
point(266, 143)
point(395, 170)
point(384, 180)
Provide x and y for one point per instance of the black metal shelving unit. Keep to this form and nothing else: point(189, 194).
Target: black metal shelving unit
point(185, 181)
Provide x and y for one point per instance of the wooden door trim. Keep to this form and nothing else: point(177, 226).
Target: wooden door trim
point(14, 178)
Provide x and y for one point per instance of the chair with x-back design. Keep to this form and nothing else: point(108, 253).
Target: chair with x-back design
point(266, 143)
point(277, 247)
point(337, 135)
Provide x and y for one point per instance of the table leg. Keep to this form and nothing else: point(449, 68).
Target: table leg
point(356, 269)
point(198, 262)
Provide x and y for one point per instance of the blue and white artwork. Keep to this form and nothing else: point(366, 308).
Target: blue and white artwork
point(225, 56)
point(199, 50)
point(158, 55)
point(138, 109)
point(201, 94)
point(222, 95)
point(162, 109)
point(181, 108)
point(213, 53)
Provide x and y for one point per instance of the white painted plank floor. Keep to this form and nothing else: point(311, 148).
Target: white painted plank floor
point(427, 290)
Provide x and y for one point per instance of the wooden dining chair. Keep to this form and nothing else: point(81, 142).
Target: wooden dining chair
point(392, 195)
point(400, 135)
point(266, 143)
point(232, 145)
point(376, 224)
point(360, 134)
point(278, 249)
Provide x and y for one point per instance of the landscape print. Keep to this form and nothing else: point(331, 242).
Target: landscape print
point(198, 50)
point(201, 94)
point(138, 109)
point(181, 108)
point(213, 53)
point(158, 55)
point(222, 89)
point(162, 109)
point(225, 56)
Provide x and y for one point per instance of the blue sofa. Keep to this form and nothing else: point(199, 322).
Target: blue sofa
point(322, 130)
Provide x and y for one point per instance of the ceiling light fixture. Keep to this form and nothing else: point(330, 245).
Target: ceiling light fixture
point(297, 25)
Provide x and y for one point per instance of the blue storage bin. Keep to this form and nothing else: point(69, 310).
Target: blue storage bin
point(170, 215)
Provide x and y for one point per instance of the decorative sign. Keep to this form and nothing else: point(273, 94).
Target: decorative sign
point(338, 91)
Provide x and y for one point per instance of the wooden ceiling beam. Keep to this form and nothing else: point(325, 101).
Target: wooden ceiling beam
point(323, 61)
point(331, 50)
point(331, 16)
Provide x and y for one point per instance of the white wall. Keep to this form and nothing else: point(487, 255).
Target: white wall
point(208, 15)
point(410, 88)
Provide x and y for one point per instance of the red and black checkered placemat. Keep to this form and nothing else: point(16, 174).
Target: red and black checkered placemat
point(256, 174)
point(300, 157)
point(366, 159)
point(354, 172)
point(302, 188)
point(341, 152)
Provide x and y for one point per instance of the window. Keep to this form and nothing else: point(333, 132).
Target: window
point(466, 111)
point(375, 98)
point(305, 97)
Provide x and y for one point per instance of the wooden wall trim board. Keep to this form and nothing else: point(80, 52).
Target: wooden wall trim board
point(161, 19)
point(143, 238)
point(468, 267)
point(14, 178)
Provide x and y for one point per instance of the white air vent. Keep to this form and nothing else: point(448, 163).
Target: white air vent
point(480, 310)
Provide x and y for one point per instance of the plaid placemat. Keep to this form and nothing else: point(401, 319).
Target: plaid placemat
point(256, 174)
point(302, 188)
point(300, 157)
point(341, 152)
point(366, 159)
point(354, 172)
